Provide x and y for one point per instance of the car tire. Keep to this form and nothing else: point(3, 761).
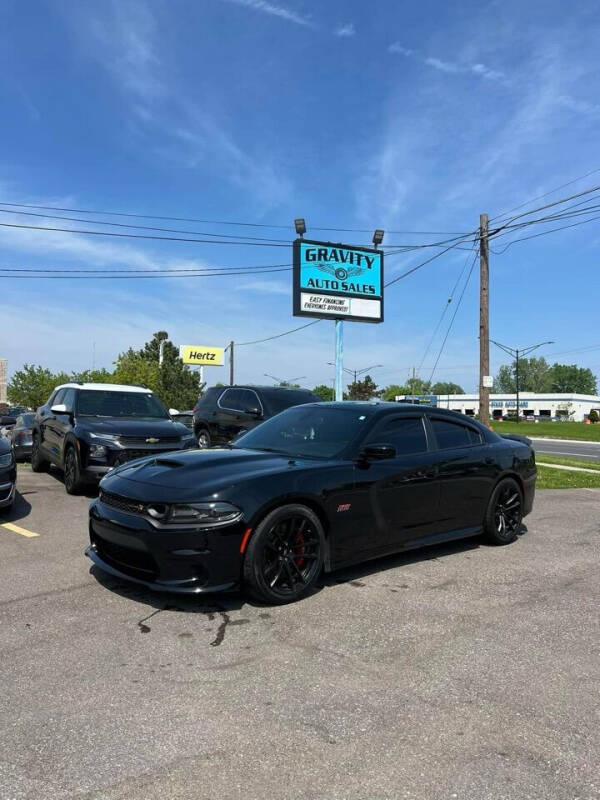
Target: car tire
point(38, 464)
point(504, 513)
point(203, 437)
point(72, 472)
point(285, 555)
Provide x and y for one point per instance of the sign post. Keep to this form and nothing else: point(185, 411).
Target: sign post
point(339, 282)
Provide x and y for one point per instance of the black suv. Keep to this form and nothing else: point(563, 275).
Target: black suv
point(225, 411)
point(88, 428)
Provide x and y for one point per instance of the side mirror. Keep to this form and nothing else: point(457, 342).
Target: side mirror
point(173, 412)
point(59, 409)
point(377, 452)
point(254, 412)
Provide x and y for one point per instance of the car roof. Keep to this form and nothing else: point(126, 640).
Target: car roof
point(265, 388)
point(103, 387)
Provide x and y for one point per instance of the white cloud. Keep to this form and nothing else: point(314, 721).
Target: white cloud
point(274, 10)
point(444, 66)
point(396, 47)
point(345, 29)
point(486, 72)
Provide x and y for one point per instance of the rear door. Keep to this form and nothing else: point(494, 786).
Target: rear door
point(63, 423)
point(231, 415)
point(401, 494)
point(466, 472)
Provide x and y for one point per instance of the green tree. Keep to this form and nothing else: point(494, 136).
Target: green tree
point(32, 385)
point(362, 390)
point(392, 391)
point(447, 387)
point(534, 376)
point(92, 376)
point(174, 382)
point(593, 416)
point(326, 393)
point(571, 378)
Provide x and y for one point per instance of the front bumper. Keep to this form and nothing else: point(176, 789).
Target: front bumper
point(22, 451)
point(180, 561)
point(7, 493)
point(529, 494)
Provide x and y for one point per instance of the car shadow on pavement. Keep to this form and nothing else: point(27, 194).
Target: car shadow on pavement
point(171, 601)
point(20, 509)
point(90, 491)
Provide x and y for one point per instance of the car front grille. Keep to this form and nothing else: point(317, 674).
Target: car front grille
point(136, 563)
point(136, 441)
point(122, 503)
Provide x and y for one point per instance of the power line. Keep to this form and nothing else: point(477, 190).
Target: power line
point(134, 272)
point(149, 276)
point(544, 233)
point(462, 294)
point(443, 314)
point(544, 207)
point(419, 266)
point(541, 196)
point(279, 335)
point(217, 222)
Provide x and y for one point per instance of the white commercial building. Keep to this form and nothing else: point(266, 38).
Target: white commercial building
point(543, 406)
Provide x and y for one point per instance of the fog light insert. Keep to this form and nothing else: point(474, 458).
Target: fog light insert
point(97, 451)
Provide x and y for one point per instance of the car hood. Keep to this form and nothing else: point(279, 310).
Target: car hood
point(143, 426)
point(197, 473)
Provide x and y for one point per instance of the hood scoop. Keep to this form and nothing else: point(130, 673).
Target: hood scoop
point(165, 462)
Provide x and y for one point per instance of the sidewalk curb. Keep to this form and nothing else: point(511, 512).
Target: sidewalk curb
point(567, 441)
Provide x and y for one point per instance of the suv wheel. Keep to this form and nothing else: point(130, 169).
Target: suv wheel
point(73, 482)
point(38, 464)
point(203, 439)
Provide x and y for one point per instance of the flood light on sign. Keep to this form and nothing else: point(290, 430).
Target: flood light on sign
point(300, 225)
point(378, 237)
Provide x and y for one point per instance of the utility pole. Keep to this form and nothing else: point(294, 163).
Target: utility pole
point(517, 381)
point(514, 353)
point(231, 345)
point(484, 320)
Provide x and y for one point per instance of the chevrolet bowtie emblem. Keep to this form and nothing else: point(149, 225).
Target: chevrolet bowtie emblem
point(152, 440)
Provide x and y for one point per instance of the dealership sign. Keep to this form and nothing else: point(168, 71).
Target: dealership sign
point(338, 281)
point(201, 355)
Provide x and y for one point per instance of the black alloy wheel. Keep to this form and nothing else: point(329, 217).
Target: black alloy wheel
point(38, 464)
point(73, 482)
point(505, 512)
point(285, 555)
point(203, 439)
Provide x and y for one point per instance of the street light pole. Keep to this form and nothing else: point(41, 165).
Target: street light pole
point(515, 353)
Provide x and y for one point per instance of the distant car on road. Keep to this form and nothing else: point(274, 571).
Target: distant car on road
point(224, 412)
point(8, 474)
point(86, 429)
point(321, 485)
point(20, 435)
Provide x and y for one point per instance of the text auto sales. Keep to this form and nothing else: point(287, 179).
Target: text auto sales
point(323, 254)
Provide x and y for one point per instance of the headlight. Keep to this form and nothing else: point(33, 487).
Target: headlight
point(97, 451)
point(110, 437)
point(204, 513)
point(6, 460)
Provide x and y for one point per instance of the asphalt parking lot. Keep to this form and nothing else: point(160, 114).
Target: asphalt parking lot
point(464, 671)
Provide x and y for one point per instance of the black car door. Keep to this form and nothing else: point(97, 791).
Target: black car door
point(49, 426)
point(398, 498)
point(466, 472)
point(231, 416)
point(64, 422)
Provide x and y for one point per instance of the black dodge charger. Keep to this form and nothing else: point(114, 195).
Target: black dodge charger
point(319, 486)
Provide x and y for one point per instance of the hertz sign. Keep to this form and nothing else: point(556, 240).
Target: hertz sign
point(201, 355)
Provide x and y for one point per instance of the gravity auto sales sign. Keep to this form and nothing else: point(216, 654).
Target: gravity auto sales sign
point(338, 281)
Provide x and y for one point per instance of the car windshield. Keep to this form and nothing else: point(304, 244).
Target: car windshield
point(26, 420)
point(94, 403)
point(280, 399)
point(307, 431)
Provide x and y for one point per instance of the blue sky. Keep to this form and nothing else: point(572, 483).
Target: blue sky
point(405, 116)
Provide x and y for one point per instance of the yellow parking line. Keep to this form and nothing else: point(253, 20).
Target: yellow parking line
point(20, 531)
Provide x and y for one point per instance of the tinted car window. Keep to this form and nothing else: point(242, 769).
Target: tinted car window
point(279, 399)
point(310, 431)
point(25, 420)
point(453, 434)
point(98, 403)
point(250, 400)
point(58, 398)
point(232, 399)
point(407, 434)
point(69, 399)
